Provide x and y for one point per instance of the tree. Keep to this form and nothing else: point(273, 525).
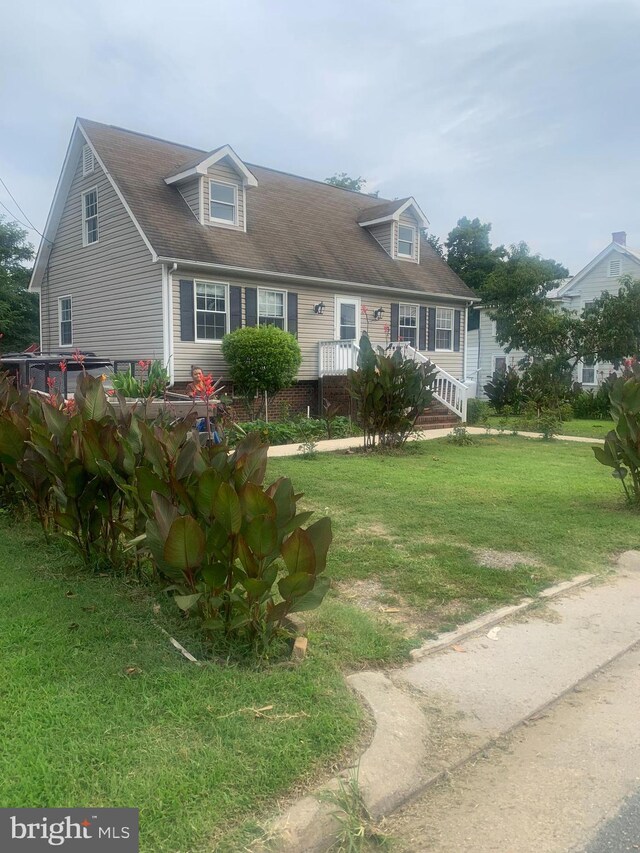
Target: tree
point(435, 243)
point(470, 254)
point(19, 315)
point(341, 179)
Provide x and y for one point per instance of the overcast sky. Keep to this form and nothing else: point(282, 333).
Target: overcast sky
point(524, 114)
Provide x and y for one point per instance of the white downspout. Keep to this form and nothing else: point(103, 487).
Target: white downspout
point(167, 320)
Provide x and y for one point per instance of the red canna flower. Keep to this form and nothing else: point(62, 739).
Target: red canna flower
point(364, 310)
point(386, 328)
point(63, 366)
point(78, 356)
point(51, 383)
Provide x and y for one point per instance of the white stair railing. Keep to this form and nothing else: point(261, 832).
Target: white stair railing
point(451, 392)
point(336, 357)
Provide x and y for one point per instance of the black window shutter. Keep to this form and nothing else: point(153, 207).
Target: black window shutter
point(395, 315)
point(235, 307)
point(292, 313)
point(251, 305)
point(431, 336)
point(187, 312)
point(422, 331)
point(457, 319)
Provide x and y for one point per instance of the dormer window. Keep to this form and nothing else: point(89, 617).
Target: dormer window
point(406, 241)
point(223, 205)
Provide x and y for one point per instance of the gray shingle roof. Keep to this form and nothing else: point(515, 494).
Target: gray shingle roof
point(295, 226)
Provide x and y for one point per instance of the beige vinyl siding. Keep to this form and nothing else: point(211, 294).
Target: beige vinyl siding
point(223, 172)
point(407, 219)
point(190, 192)
point(116, 290)
point(312, 328)
point(383, 234)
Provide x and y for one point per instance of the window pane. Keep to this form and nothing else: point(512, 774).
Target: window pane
point(223, 211)
point(91, 203)
point(65, 332)
point(347, 314)
point(223, 192)
point(405, 233)
point(500, 364)
point(266, 320)
point(271, 304)
point(92, 230)
point(443, 339)
point(444, 318)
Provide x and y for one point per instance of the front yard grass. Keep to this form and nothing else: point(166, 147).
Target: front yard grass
point(416, 522)
point(586, 428)
point(98, 709)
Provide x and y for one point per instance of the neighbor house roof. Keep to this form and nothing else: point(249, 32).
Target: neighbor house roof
point(294, 226)
point(570, 283)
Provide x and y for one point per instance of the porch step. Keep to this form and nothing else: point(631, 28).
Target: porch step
point(437, 416)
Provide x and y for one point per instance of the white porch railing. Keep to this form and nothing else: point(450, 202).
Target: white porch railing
point(451, 392)
point(336, 357)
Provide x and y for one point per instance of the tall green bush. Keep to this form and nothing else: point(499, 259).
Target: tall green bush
point(390, 391)
point(261, 360)
point(504, 389)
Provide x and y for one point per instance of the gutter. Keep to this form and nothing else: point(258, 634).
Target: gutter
point(248, 272)
point(167, 321)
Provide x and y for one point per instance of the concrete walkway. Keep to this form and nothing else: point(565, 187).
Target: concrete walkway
point(423, 435)
point(452, 704)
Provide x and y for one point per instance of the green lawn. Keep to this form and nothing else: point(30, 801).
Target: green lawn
point(413, 521)
point(586, 428)
point(98, 709)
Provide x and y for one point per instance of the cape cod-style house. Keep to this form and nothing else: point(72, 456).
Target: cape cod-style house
point(155, 250)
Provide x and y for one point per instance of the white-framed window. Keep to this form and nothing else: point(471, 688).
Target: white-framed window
point(88, 162)
point(272, 308)
point(587, 305)
point(499, 364)
point(406, 241)
point(408, 324)
point(615, 267)
point(223, 202)
point(494, 328)
point(65, 321)
point(444, 329)
point(90, 216)
point(589, 372)
point(212, 304)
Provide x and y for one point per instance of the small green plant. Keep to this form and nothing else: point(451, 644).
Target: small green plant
point(549, 424)
point(357, 831)
point(621, 449)
point(504, 389)
point(153, 380)
point(460, 436)
point(308, 447)
point(477, 411)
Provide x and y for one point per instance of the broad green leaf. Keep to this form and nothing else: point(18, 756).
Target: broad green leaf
point(298, 552)
point(321, 536)
point(184, 546)
point(91, 399)
point(295, 585)
point(147, 481)
point(255, 501)
point(165, 513)
point(215, 575)
point(226, 509)
point(186, 602)
point(246, 557)
point(255, 587)
point(208, 485)
point(11, 442)
point(56, 421)
point(261, 536)
point(313, 598)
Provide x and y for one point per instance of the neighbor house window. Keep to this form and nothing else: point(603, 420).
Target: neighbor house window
point(444, 328)
point(223, 202)
point(406, 240)
point(408, 324)
point(88, 163)
point(587, 305)
point(90, 216)
point(615, 267)
point(271, 308)
point(211, 311)
point(589, 372)
point(65, 321)
point(499, 364)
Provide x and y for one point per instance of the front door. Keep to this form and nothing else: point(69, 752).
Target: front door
point(347, 319)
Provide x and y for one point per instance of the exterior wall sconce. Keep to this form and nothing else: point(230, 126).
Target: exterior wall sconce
point(377, 314)
point(318, 308)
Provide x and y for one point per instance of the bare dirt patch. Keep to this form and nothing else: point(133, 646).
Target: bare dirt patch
point(505, 560)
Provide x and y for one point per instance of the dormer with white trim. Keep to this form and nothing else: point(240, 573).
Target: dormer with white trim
point(396, 226)
point(214, 187)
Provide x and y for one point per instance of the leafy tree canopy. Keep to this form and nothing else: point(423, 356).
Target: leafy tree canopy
point(470, 254)
point(19, 318)
point(341, 179)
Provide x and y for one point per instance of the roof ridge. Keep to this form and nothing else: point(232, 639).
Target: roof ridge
point(254, 165)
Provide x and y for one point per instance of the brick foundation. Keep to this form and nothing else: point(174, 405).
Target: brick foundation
point(287, 403)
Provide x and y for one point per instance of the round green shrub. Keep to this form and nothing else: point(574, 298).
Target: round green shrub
point(261, 358)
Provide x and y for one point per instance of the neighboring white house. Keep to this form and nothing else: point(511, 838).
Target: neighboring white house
point(484, 353)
